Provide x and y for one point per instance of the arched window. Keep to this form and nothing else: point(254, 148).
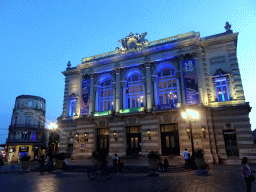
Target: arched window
point(134, 91)
point(106, 95)
point(167, 88)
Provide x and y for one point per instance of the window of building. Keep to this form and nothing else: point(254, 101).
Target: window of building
point(167, 87)
point(13, 135)
point(27, 121)
point(15, 121)
point(134, 91)
point(106, 95)
point(41, 105)
point(29, 103)
point(72, 107)
point(39, 122)
point(25, 135)
point(222, 89)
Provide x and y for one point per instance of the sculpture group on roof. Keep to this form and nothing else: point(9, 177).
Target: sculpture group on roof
point(133, 41)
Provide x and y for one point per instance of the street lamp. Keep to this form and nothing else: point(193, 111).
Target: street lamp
point(190, 115)
point(52, 127)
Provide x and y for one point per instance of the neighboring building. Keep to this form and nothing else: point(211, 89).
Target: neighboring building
point(131, 99)
point(254, 136)
point(26, 132)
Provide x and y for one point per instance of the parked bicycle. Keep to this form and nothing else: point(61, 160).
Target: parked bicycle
point(49, 167)
point(97, 170)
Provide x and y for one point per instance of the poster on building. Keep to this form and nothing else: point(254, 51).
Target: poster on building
point(85, 99)
point(190, 82)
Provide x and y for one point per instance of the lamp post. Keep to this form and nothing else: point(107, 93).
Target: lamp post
point(52, 128)
point(190, 115)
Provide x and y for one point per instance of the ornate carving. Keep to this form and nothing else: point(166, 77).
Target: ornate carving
point(131, 121)
point(133, 41)
point(123, 83)
point(228, 27)
point(153, 78)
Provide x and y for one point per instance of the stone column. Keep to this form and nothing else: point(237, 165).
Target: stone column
point(148, 86)
point(123, 83)
point(144, 92)
point(178, 86)
point(114, 96)
point(118, 93)
point(91, 105)
point(183, 96)
point(79, 95)
point(96, 88)
point(153, 78)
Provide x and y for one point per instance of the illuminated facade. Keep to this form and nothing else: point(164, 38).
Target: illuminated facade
point(131, 99)
point(26, 132)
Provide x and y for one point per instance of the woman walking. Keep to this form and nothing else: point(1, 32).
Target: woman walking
point(246, 172)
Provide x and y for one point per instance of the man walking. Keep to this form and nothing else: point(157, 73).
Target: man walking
point(186, 157)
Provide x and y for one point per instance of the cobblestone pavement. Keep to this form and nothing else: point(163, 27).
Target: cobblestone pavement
point(221, 178)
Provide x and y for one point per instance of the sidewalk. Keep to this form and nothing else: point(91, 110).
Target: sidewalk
point(16, 167)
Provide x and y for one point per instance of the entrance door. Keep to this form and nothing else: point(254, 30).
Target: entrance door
point(133, 139)
point(230, 142)
point(170, 139)
point(103, 140)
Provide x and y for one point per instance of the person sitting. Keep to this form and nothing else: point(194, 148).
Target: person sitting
point(166, 164)
point(160, 165)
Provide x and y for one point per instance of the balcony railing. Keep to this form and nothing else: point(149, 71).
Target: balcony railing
point(19, 140)
point(26, 126)
point(165, 107)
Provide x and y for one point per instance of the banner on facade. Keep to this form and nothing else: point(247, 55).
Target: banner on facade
point(85, 99)
point(190, 82)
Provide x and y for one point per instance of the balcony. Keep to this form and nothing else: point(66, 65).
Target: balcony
point(20, 140)
point(21, 126)
point(131, 110)
point(165, 107)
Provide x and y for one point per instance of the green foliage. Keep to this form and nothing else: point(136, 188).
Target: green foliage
point(25, 158)
point(199, 153)
point(154, 155)
point(60, 156)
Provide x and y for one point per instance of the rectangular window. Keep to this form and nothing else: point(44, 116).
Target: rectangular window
point(222, 89)
point(27, 121)
point(72, 107)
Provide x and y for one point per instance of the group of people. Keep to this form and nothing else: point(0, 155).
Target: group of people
point(118, 163)
point(162, 166)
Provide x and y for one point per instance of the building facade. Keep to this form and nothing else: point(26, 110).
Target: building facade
point(131, 100)
point(26, 133)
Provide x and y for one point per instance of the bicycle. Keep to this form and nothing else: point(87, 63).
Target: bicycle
point(93, 173)
point(49, 167)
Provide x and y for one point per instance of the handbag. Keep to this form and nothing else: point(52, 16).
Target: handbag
point(251, 177)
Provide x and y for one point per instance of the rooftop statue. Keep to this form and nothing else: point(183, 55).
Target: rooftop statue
point(133, 41)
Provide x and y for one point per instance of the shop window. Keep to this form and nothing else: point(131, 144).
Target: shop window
point(222, 89)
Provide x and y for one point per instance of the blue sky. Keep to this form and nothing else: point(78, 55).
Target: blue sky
point(38, 38)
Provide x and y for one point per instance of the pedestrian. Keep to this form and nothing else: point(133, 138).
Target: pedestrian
point(121, 164)
point(246, 173)
point(186, 157)
point(1, 163)
point(160, 165)
point(115, 163)
point(166, 164)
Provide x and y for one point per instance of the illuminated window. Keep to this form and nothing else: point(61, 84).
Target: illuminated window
point(167, 87)
point(106, 95)
point(134, 91)
point(222, 89)
point(72, 106)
